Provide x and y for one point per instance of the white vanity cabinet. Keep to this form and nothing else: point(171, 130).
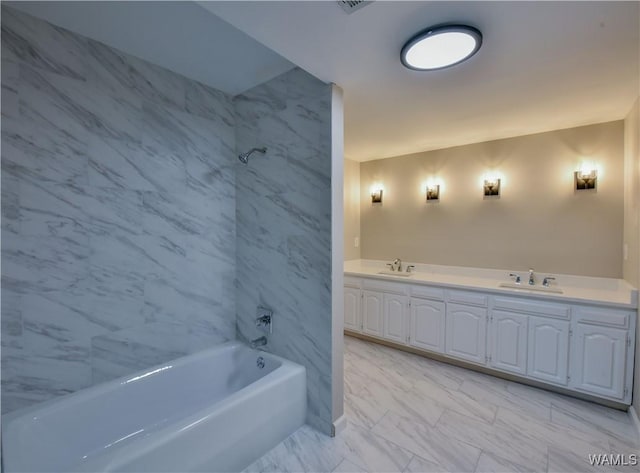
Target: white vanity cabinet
point(579, 347)
point(372, 313)
point(599, 355)
point(466, 327)
point(376, 309)
point(352, 313)
point(394, 317)
point(466, 332)
point(546, 328)
point(427, 324)
point(601, 352)
point(509, 341)
point(548, 352)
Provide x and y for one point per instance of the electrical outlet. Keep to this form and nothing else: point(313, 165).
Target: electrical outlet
point(356, 242)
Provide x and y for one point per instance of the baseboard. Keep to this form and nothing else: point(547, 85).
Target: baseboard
point(339, 425)
point(634, 419)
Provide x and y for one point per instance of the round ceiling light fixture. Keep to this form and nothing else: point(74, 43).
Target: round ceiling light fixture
point(440, 46)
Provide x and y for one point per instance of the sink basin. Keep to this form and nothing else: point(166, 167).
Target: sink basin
point(396, 273)
point(520, 287)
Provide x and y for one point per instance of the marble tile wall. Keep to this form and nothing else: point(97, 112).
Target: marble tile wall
point(283, 222)
point(118, 213)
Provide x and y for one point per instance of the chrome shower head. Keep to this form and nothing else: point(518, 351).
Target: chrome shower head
point(244, 157)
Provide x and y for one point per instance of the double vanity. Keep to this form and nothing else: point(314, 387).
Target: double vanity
point(574, 334)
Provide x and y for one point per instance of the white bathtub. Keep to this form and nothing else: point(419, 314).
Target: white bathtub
point(216, 410)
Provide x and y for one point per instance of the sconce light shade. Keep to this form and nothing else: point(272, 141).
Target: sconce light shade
point(586, 180)
point(433, 193)
point(492, 188)
point(376, 196)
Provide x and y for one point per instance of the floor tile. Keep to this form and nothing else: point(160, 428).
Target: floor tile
point(412, 402)
point(428, 443)
point(625, 447)
point(594, 420)
point(409, 364)
point(420, 465)
point(305, 450)
point(408, 413)
point(496, 394)
point(537, 431)
point(363, 410)
point(458, 401)
point(488, 463)
point(589, 410)
point(372, 452)
point(347, 467)
point(627, 451)
point(566, 461)
point(506, 441)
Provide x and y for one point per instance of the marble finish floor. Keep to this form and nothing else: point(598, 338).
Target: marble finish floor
point(407, 413)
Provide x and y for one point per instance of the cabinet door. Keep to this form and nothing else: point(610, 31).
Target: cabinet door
point(372, 313)
point(598, 360)
point(509, 341)
point(352, 316)
point(427, 325)
point(466, 332)
point(548, 349)
point(395, 316)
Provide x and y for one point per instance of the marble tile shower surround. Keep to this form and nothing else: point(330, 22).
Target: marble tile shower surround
point(283, 217)
point(118, 213)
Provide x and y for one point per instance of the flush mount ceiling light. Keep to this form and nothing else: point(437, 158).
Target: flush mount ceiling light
point(440, 46)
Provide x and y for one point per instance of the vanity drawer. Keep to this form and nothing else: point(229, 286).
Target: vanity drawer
point(548, 309)
point(385, 286)
point(428, 292)
point(602, 316)
point(352, 282)
point(468, 297)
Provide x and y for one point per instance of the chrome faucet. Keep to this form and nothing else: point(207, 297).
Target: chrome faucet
point(396, 265)
point(546, 281)
point(532, 279)
point(258, 342)
point(516, 276)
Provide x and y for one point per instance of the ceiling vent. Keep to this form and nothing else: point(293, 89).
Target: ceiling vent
point(351, 6)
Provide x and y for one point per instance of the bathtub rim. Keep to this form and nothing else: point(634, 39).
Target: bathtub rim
point(89, 390)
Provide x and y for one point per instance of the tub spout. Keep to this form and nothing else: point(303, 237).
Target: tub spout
point(258, 342)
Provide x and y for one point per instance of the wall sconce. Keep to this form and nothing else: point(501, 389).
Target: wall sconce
point(492, 187)
point(586, 179)
point(376, 193)
point(433, 193)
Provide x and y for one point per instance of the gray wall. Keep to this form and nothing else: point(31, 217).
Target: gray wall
point(283, 214)
point(118, 213)
point(538, 221)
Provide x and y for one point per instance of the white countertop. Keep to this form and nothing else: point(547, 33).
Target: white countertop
point(576, 289)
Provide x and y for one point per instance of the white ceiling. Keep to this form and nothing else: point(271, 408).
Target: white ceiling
point(542, 66)
point(179, 36)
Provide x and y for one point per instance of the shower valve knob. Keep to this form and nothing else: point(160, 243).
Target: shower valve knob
point(264, 319)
